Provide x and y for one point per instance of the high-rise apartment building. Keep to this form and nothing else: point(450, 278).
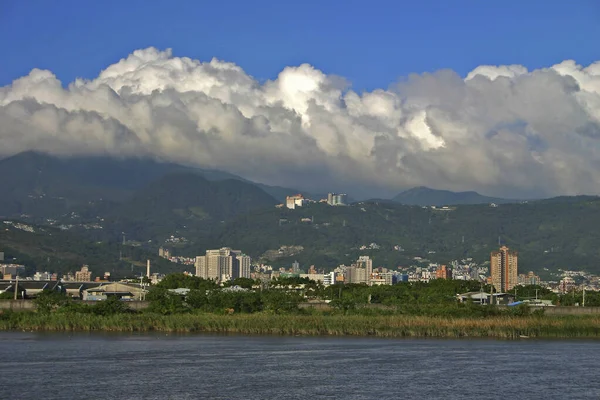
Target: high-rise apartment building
point(364, 266)
point(295, 267)
point(336, 199)
point(242, 266)
point(164, 253)
point(443, 272)
point(503, 267)
point(223, 264)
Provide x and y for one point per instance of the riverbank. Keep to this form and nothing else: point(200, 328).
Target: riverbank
point(502, 327)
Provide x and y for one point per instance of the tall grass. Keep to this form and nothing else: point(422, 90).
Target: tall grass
point(508, 327)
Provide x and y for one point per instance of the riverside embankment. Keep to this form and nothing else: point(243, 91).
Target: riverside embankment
point(502, 327)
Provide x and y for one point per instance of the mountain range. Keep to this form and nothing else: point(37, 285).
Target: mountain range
point(46, 186)
point(424, 196)
point(86, 201)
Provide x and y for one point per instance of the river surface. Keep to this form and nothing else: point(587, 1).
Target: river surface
point(159, 366)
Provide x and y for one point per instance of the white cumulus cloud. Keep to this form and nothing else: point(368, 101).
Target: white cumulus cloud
point(502, 130)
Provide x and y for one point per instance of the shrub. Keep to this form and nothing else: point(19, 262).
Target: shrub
point(110, 306)
point(49, 300)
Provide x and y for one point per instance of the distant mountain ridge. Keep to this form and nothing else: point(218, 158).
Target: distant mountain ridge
point(43, 185)
point(187, 196)
point(424, 196)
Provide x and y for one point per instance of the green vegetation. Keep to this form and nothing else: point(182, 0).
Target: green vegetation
point(552, 234)
point(55, 250)
point(423, 196)
point(408, 310)
point(185, 202)
point(505, 327)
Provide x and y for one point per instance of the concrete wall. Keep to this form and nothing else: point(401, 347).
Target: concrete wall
point(568, 310)
point(322, 306)
point(17, 305)
point(28, 305)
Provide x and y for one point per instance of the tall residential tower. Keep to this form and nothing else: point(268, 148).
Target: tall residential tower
point(223, 264)
point(503, 268)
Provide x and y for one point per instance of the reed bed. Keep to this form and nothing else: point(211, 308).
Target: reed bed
point(504, 327)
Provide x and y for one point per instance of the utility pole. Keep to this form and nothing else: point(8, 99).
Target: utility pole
point(16, 286)
point(583, 302)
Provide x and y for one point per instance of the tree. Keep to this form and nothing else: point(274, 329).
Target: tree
point(197, 299)
point(49, 300)
point(112, 305)
point(245, 283)
point(164, 302)
point(176, 281)
point(280, 301)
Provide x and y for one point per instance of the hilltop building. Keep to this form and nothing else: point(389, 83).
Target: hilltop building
point(294, 201)
point(337, 199)
point(223, 264)
point(164, 253)
point(503, 267)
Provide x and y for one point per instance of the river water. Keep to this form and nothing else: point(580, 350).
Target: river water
point(159, 366)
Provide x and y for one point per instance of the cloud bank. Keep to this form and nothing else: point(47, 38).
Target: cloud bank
point(502, 130)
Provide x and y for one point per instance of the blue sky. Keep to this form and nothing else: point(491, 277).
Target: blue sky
point(370, 43)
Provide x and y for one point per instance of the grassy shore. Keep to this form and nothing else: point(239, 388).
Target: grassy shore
point(504, 327)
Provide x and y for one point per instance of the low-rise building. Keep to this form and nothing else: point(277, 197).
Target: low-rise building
point(486, 298)
point(125, 291)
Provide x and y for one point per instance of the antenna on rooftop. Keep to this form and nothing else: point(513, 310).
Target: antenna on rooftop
point(499, 241)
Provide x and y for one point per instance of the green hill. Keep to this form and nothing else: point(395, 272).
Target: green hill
point(46, 186)
point(55, 250)
point(185, 202)
point(423, 196)
point(552, 234)
point(547, 234)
